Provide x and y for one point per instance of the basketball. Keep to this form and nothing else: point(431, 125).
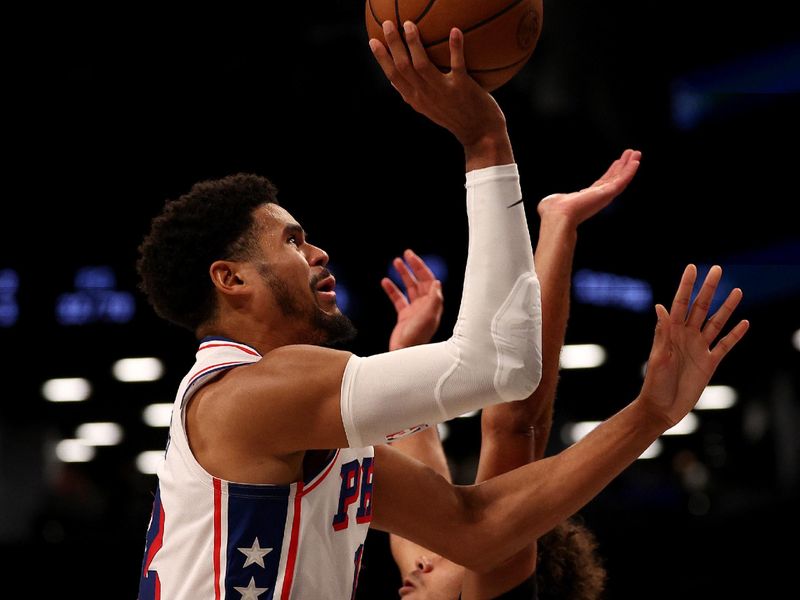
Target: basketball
point(499, 35)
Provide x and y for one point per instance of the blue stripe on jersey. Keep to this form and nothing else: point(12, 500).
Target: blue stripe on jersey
point(148, 581)
point(256, 522)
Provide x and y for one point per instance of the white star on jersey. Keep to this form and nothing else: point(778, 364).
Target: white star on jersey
point(255, 554)
point(251, 592)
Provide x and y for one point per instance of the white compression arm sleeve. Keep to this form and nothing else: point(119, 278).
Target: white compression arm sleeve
point(494, 354)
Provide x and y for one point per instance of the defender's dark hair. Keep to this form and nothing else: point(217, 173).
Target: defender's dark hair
point(569, 567)
point(213, 221)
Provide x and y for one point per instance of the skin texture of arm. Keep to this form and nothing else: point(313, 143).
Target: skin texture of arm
point(508, 511)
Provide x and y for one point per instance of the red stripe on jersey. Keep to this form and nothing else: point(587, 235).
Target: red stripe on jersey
point(217, 536)
point(290, 561)
point(324, 475)
point(157, 542)
point(242, 348)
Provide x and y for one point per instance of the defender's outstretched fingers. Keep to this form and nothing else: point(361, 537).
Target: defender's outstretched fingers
point(457, 63)
point(701, 304)
point(409, 281)
point(718, 320)
point(680, 304)
point(727, 343)
point(419, 58)
point(418, 267)
point(398, 299)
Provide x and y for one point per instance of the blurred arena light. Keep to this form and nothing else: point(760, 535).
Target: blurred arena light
point(157, 415)
point(99, 434)
point(582, 356)
point(607, 289)
point(796, 340)
point(74, 451)
point(685, 426)
point(653, 450)
point(67, 389)
point(149, 461)
point(573, 432)
point(716, 397)
point(138, 369)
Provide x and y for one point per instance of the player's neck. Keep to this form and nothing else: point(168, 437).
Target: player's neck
point(263, 336)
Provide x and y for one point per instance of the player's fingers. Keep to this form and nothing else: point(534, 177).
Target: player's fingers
point(389, 68)
point(419, 58)
point(715, 324)
point(727, 343)
point(457, 62)
point(400, 57)
point(699, 310)
point(680, 304)
point(421, 271)
point(397, 298)
point(408, 278)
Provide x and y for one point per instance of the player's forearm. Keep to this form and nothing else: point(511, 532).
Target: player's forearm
point(521, 505)
point(494, 354)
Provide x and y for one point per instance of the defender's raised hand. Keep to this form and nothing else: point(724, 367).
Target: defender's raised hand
point(684, 357)
point(420, 311)
point(579, 206)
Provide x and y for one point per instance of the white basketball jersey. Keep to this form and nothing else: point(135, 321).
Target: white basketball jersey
point(211, 539)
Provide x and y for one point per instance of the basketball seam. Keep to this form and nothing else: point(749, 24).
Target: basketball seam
point(424, 12)
point(397, 16)
point(476, 25)
point(374, 16)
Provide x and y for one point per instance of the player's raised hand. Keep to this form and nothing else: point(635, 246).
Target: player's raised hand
point(684, 355)
point(453, 99)
point(576, 207)
point(419, 311)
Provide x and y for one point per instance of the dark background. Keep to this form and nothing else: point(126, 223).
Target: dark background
point(109, 114)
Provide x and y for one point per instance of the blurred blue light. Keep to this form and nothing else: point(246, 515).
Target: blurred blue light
point(119, 307)
point(9, 310)
point(735, 86)
point(342, 297)
point(95, 278)
point(607, 289)
point(95, 299)
point(74, 308)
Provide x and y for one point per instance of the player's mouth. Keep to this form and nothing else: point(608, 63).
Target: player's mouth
point(408, 587)
point(325, 288)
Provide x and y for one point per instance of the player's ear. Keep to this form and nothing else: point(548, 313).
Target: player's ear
point(227, 276)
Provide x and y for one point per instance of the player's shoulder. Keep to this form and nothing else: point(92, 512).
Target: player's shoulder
point(300, 356)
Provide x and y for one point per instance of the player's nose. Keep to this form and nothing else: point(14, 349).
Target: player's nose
point(424, 564)
point(317, 256)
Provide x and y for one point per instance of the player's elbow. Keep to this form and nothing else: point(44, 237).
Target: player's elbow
point(520, 375)
point(517, 337)
point(476, 543)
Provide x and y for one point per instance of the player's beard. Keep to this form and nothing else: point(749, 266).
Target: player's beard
point(326, 329)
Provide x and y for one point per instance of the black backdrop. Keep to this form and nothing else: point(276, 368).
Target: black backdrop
point(108, 114)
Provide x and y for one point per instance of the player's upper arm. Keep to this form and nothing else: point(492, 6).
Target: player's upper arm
point(286, 402)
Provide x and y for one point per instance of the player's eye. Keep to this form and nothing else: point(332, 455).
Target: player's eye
point(293, 240)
